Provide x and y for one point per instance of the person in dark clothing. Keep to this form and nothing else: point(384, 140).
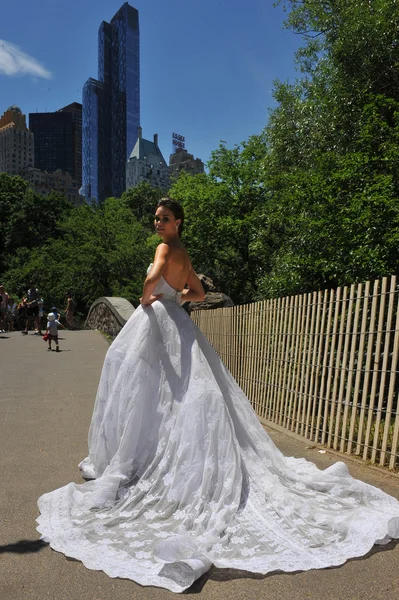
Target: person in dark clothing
point(33, 298)
point(22, 310)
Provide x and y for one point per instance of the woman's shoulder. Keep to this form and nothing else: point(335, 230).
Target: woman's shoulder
point(179, 256)
point(163, 249)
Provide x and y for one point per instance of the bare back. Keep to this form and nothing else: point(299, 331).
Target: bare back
point(172, 262)
point(178, 267)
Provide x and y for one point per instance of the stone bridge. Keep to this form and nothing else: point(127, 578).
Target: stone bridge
point(109, 314)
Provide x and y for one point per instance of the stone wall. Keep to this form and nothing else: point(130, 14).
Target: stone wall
point(109, 314)
point(213, 298)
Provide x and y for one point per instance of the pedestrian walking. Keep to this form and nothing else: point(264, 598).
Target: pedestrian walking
point(52, 331)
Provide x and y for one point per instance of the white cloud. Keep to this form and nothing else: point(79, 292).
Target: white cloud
point(14, 61)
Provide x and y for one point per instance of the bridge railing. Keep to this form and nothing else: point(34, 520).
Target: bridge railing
point(109, 314)
point(323, 365)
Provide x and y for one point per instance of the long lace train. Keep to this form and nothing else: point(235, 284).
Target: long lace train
point(185, 475)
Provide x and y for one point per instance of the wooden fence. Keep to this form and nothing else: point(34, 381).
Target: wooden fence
point(323, 364)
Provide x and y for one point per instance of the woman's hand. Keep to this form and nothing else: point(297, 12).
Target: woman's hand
point(151, 299)
point(195, 291)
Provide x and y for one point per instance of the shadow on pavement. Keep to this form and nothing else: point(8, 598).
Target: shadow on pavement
point(23, 546)
point(216, 574)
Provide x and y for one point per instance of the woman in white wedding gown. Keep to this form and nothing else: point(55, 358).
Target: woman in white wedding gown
point(183, 474)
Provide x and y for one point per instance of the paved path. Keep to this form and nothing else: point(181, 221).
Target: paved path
point(46, 401)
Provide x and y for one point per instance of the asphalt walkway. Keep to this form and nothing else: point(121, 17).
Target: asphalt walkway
point(46, 400)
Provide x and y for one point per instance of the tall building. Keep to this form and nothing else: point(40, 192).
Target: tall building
point(60, 181)
point(75, 110)
point(58, 140)
point(16, 142)
point(146, 163)
point(181, 160)
point(111, 107)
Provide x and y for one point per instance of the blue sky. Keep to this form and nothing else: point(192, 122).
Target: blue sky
point(207, 68)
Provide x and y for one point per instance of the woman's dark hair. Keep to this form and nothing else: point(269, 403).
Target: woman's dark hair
point(176, 209)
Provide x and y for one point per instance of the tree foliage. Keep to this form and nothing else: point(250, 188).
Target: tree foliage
point(98, 251)
point(141, 200)
point(332, 158)
point(27, 219)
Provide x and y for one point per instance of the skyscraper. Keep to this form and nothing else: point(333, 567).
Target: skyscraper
point(181, 160)
point(58, 140)
point(146, 163)
point(111, 107)
point(16, 142)
point(75, 110)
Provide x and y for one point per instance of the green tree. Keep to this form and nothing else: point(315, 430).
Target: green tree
point(27, 219)
point(332, 149)
point(142, 201)
point(222, 217)
point(101, 251)
point(338, 221)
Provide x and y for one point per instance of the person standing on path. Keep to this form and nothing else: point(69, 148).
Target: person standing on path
point(69, 311)
point(33, 298)
point(22, 310)
point(183, 474)
point(10, 316)
point(3, 308)
point(52, 331)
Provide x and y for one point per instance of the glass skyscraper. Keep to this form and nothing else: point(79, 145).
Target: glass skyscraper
point(111, 107)
point(58, 140)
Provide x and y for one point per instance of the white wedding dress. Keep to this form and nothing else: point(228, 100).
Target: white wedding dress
point(184, 475)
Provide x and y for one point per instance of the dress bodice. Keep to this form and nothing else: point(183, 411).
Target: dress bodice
point(163, 287)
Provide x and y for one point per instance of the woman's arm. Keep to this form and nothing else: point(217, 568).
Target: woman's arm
point(160, 260)
point(195, 291)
